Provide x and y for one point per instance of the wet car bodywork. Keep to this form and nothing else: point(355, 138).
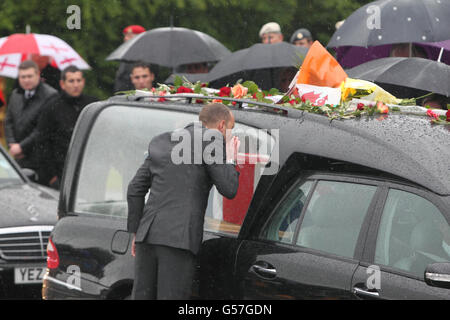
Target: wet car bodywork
point(403, 153)
point(28, 214)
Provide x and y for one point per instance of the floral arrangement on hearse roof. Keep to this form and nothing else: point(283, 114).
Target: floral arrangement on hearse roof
point(327, 91)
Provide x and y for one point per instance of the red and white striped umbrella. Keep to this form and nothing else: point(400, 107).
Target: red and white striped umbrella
point(17, 47)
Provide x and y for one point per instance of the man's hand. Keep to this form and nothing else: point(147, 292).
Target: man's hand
point(16, 150)
point(133, 246)
point(233, 148)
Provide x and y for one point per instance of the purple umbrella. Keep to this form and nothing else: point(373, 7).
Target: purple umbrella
point(350, 56)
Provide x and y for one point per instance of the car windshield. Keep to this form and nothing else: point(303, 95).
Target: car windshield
point(8, 174)
point(117, 147)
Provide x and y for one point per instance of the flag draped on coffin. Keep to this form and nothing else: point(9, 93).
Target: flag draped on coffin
point(320, 77)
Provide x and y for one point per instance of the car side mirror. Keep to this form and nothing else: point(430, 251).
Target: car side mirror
point(30, 174)
point(438, 275)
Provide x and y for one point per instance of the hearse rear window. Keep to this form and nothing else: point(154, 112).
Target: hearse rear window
point(117, 146)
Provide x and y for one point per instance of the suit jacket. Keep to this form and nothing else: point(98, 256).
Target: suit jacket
point(175, 210)
point(22, 118)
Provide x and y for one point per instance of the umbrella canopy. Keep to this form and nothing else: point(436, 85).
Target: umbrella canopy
point(417, 73)
point(257, 62)
point(395, 21)
point(351, 56)
point(17, 46)
point(171, 47)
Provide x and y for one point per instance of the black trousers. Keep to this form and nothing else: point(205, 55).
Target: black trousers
point(162, 273)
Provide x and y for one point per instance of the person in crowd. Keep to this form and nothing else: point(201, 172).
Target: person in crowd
point(271, 33)
point(165, 251)
point(49, 74)
point(302, 38)
point(57, 122)
point(24, 107)
point(339, 24)
point(406, 50)
point(142, 76)
point(122, 81)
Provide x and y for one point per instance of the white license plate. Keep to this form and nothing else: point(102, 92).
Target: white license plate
point(29, 275)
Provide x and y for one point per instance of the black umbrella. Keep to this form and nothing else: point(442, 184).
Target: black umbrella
point(171, 47)
point(259, 62)
point(417, 73)
point(395, 21)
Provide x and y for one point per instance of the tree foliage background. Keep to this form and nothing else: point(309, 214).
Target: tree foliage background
point(235, 23)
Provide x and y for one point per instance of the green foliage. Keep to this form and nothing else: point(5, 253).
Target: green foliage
point(235, 23)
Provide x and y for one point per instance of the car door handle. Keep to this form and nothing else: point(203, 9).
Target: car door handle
point(365, 293)
point(266, 272)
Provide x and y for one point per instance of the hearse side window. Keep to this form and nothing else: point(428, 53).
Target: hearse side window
point(334, 217)
point(413, 233)
point(282, 224)
point(117, 146)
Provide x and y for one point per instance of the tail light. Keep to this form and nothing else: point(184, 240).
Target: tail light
point(52, 255)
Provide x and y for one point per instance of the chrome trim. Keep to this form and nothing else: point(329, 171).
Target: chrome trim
point(61, 283)
point(437, 277)
point(365, 292)
point(37, 239)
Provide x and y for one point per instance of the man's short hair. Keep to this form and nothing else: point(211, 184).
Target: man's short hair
point(28, 64)
point(143, 65)
point(213, 113)
point(271, 27)
point(71, 69)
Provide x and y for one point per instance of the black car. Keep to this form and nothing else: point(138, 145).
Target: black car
point(341, 209)
point(28, 214)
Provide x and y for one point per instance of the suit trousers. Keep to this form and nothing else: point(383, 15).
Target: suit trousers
point(162, 272)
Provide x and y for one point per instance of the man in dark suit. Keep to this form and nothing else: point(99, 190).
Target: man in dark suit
point(24, 109)
point(169, 228)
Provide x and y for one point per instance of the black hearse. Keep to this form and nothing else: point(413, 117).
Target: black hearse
point(343, 209)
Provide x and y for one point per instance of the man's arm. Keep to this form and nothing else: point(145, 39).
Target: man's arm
point(137, 189)
point(225, 176)
point(9, 125)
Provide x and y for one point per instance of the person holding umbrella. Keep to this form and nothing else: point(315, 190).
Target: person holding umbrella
point(122, 81)
point(24, 108)
point(142, 76)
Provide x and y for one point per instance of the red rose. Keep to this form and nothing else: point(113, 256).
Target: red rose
point(225, 92)
point(200, 101)
point(448, 115)
point(184, 90)
point(162, 100)
point(360, 106)
point(303, 99)
point(432, 114)
point(292, 102)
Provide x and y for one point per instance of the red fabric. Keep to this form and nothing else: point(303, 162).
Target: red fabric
point(136, 29)
point(2, 98)
point(234, 210)
point(20, 42)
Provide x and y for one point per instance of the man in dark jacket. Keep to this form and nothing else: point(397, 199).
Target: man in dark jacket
point(24, 108)
point(123, 81)
point(169, 228)
point(58, 122)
